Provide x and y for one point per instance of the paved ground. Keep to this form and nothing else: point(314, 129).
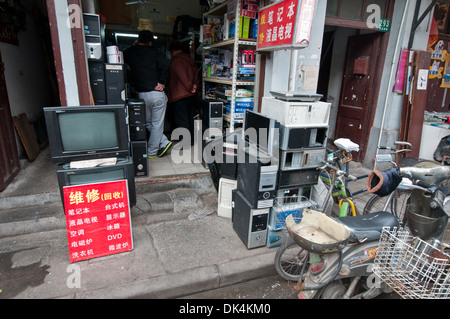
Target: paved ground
point(173, 255)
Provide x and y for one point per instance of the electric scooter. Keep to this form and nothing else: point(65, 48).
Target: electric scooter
point(342, 251)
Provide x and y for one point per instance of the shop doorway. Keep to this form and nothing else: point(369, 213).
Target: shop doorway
point(9, 160)
point(360, 86)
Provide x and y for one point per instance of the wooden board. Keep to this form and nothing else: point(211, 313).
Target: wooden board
point(27, 136)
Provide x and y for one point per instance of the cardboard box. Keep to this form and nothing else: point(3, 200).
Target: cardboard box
point(245, 28)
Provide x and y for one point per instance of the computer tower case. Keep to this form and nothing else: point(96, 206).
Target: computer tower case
point(136, 119)
point(97, 79)
point(94, 36)
point(257, 178)
point(297, 113)
point(115, 83)
point(212, 118)
point(297, 178)
point(294, 138)
point(136, 111)
point(249, 223)
point(305, 158)
point(139, 154)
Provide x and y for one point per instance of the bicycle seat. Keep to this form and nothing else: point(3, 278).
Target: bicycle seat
point(346, 145)
point(368, 227)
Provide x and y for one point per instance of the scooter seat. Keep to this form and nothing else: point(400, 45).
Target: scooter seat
point(368, 227)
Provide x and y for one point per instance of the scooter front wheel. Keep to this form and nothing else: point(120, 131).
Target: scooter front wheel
point(289, 261)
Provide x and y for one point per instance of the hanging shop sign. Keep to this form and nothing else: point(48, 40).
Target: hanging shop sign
point(285, 25)
point(98, 220)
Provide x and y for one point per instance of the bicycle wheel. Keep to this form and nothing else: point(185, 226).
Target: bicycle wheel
point(289, 261)
point(395, 203)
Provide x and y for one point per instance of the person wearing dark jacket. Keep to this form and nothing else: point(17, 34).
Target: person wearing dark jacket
point(183, 84)
point(149, 71)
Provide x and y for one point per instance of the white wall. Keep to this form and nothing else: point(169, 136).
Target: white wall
point(67, 55)
point(278, 67)
point(26, 71)
point(388, 115)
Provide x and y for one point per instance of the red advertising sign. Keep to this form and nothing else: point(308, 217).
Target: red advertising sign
point(98, 220)
point(285, 25)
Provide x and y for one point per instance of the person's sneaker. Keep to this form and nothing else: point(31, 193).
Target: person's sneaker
point(152, 156)
point(163, 151)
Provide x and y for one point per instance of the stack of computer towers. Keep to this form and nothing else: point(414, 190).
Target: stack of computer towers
point(107, 79)
point(228, 170)
point(257, 172)
point(254, 197)
point(224, 170)
point(302, 149)
point(138, 136)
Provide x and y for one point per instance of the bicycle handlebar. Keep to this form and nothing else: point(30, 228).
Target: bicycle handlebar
point(403, 143)
point(426, 176)
point(338, 171)
point(400, 143)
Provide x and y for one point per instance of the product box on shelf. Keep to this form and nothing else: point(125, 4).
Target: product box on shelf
point(246, 28)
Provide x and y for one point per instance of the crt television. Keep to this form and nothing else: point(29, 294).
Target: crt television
point(123, 170)
point(87, 132)
point(261, 131)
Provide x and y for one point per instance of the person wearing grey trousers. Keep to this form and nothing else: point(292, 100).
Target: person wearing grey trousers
point(149, 71)
point(155, 103)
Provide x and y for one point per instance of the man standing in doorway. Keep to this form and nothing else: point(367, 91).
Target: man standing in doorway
point(149, 71)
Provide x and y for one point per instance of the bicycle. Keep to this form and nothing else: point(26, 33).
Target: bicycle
point(335, 172)
point(332, 175)
point(290, 259)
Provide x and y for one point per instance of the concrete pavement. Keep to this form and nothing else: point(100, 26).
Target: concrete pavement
point(173, 255)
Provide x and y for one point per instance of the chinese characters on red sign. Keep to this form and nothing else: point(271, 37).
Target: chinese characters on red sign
point(284, 25)
point(98, 220)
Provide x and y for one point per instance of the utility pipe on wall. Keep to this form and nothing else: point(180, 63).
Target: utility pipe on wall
point(391, 76)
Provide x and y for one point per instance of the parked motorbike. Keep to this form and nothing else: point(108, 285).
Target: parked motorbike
point(342, 250)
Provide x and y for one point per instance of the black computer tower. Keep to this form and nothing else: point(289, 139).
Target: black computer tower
point(97, 79)
point(249, 223)
point(295, 138)
point(257, 179)
point(136, 120)
point(115, 83)
point(139, 155)
point(297, 178)
point(136, 111)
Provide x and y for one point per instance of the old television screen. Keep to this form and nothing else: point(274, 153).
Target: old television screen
point(265, 134)
point(123, 170)
point(87, 132)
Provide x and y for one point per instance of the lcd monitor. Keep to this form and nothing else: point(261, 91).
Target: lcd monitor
point(261, 131)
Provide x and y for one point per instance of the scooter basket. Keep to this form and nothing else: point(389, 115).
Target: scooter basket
point(411, 267)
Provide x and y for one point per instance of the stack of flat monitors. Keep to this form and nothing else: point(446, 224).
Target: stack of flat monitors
point(96, 136)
